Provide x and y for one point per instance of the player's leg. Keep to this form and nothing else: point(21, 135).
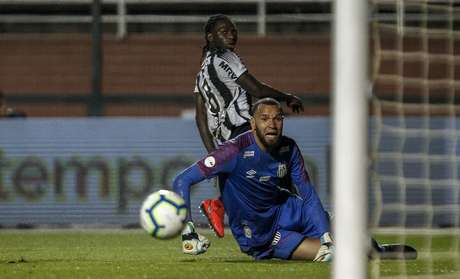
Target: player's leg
point(298, 236)
point(315, 224)
point(291, 245)
point(214, 211)
point(307, 250)
point(393, 251)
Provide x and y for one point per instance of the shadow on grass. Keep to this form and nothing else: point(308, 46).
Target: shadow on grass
point(25, 260)
point(218, 260)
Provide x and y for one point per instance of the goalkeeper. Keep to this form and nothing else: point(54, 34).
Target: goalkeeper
point(273, 210)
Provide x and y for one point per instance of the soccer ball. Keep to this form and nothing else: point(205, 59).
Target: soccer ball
point(163, 214)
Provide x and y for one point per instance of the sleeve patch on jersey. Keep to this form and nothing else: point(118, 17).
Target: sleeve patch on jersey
point(210, 162)
point(284, 149)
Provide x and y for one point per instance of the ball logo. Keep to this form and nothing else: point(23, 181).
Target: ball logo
point(210, 162)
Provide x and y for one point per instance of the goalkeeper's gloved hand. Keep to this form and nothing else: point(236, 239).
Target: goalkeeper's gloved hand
point(326, 250)
point(193, 243)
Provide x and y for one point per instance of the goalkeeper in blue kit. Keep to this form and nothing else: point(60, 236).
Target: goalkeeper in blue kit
point(273, 210)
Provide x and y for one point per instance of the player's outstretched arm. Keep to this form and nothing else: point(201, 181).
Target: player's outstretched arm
point(222, 160)
point(261, 90)
point(209, 166)
point(192, 242)
point(182, 183)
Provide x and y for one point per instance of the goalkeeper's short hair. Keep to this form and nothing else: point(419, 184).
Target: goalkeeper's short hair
point(265, 101)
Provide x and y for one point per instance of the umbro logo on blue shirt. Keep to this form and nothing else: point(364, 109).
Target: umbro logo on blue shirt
point(250, 173)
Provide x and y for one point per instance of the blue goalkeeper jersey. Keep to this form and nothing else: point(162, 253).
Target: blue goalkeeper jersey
point(257, 183)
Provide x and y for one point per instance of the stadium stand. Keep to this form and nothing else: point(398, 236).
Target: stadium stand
point(46, 45)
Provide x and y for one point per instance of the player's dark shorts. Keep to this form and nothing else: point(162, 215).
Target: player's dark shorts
point(297, 222)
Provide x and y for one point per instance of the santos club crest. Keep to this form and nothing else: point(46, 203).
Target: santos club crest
point(282, 170)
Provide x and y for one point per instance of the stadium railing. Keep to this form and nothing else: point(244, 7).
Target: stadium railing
point(121, 16)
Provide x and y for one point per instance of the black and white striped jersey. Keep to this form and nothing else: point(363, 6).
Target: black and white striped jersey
point(227, 103)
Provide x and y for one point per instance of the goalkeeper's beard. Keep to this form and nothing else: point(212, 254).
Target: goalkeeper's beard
point(261, 136)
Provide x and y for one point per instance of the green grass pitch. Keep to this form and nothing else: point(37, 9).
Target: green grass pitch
point(133, 254)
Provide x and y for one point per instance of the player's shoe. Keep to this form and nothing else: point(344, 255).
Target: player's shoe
point(214, 212)
point(394, 251)
point(325, 253)
point(193, 243)
point(326, 250)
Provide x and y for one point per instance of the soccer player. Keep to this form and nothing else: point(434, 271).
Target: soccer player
point(273, 210)
point(223, 91)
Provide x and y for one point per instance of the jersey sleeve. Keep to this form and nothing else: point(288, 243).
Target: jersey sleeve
point(230, 65)
point(307, 192)
point(221, 160)
point(299, 175)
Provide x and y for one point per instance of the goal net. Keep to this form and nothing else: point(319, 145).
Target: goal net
point(414, 147)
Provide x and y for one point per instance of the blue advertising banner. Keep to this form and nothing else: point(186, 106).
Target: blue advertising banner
point(98, 170)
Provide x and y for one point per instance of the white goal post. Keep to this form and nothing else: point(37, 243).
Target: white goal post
point(400, 163)
point(350, 126)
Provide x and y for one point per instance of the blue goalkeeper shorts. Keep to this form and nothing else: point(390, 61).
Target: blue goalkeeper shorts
point(298, 220)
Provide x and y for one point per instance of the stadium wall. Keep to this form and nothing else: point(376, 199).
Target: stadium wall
point(151, 65)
